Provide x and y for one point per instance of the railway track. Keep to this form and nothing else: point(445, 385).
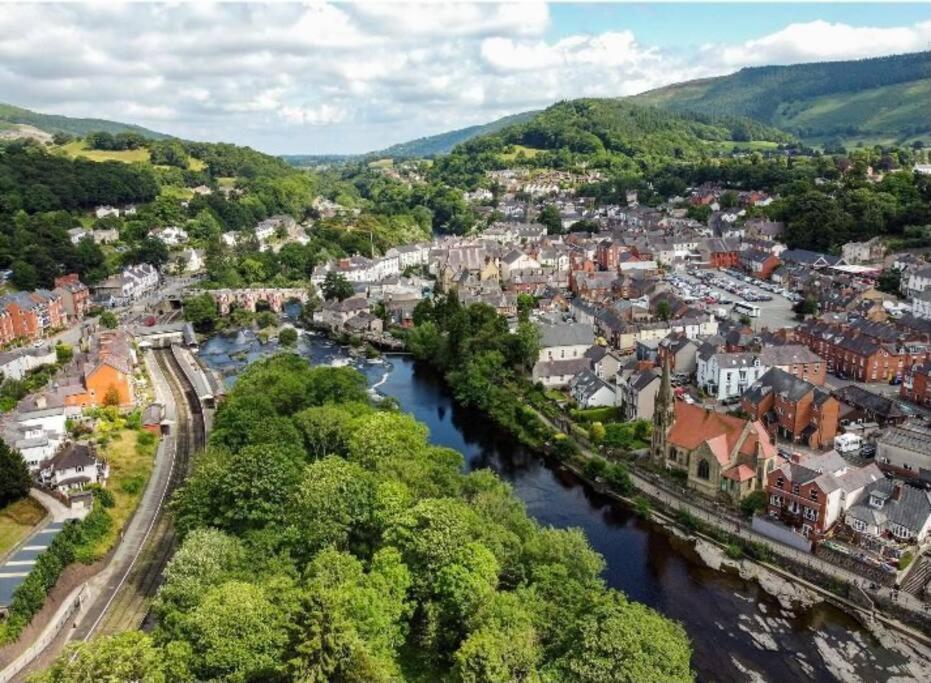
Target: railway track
point(126, 606)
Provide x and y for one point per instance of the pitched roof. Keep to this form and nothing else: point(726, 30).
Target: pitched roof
point(724, 433)
point(570, 334)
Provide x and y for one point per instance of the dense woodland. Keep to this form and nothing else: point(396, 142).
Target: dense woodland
point(324, 539)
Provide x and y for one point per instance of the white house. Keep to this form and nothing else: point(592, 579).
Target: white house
point(78, 234)
point(918, 281)
point(172, 236)
point(73, 468)
point(515, 261)
point(133, 283)
point(565, 342)
point(727, 375)
point(15, 364)
point(921, 305)
point(893, 508)
point(103, 211)
point(590, 391)
point(37, 432)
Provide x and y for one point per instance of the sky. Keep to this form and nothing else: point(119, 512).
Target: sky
point(341, 78)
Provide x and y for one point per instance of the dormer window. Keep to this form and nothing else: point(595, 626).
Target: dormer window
point(779, 483)
point(876, 501)
point(814, 495)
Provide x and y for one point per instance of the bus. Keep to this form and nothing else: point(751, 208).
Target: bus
point(747, 309)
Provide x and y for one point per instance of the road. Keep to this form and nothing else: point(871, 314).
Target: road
point(122, 602)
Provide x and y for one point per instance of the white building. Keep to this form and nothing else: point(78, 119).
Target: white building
point(132, 284)
point(37, 432)
point(727, 375)
point(73, 468)
point(15, 364)
point(171, 236)
point(590, 391)
point(567, 341)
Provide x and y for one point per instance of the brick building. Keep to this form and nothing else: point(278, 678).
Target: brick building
point(792, 409)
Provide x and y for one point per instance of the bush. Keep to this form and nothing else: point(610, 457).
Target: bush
point(287, 336)
point(565, 447)
point(642, 506)
point(686, 519)
point(905, 560)
point(755, 502)
point(606, 414)
point(132, 486)
point(596, 432)
point(734, 551)
point(595, 467)
point(619, 479)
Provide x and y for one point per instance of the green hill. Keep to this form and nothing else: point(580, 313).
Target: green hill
point(444, 142)
point(883, 99)
point(16, 118)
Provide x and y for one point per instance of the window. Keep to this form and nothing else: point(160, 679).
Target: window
point(779, 483)
point(704, 470)
point(814, 494)
point(810, 513)
point(795, 488)
point(776, 501)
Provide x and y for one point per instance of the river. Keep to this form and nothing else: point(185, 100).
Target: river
point(738, 632)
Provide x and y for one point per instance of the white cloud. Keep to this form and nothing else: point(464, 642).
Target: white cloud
point(318, 77)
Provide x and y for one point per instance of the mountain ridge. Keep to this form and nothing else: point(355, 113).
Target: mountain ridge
point(20, 120)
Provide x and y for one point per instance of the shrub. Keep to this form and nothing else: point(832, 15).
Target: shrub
point(132, 486)
point(596, 432)
point(565, 447)
point(686, 519)
point(734, 551)
point(642, 506)
point(595, 467)
point(606, 414)
point(755, 502)
point(905, 560)
point(619, 479)
point(103, 496)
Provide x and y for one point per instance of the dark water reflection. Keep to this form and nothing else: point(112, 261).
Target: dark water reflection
point(739, 632)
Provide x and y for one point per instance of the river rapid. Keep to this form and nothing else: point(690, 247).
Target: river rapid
point(739, 632)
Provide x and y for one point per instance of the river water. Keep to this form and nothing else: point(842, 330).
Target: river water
point(738, 632)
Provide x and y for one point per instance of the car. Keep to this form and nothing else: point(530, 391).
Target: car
point(895, 381)
point(840, 375)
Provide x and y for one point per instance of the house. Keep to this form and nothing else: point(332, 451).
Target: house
point(916, 384)
point(811, 259)
point(723, 253)
point(921, 304)
point(106, 210)
point(132, 284)
point(73, 468)
point(720, 454)
point(918, 280)
point(517, 261)
point(811, 493)
point(680, 351)
point(171, 236)
point(564, 341)
point(152, 418)
point(636, 392)
point(905, 452)
point(797, 360)
point(605, 363)
point(590, 391)
point(34, 314)
point(556, 374)
point(860, 405)
point(37, 430)
point(75, 235)
point(792, 409)
point(17, 363)
point(334, 314)
point(758, 263)
point(106, 374)
point(864, 252)
point(75, 296)
point(892, 509)
point(364, 322)
point(727, 375)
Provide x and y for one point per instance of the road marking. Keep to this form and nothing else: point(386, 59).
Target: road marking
point(48, 531)
point(13, 575)
point(34, 547)
point(20, 563)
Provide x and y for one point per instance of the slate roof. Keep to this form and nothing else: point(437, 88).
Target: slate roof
point(586, 384)
point(872, 403)
point(570, 334)
point(910, 510)
point(788, 354)
point(560, 368)
point(776, 381)
point(75, 455)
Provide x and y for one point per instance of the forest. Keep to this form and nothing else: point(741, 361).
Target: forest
point(325, 539)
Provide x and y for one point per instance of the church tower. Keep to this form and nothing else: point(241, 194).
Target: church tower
point(664, 415)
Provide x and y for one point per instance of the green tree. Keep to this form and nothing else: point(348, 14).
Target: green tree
point(663, 310)
point(14, 475)
point(336, 286)
point(550, 217)
point(63, 353)
point(889, 281)
point(236, 634)
point(108, 320)
point(128, 656)
point(201, 311)
point(287, 337)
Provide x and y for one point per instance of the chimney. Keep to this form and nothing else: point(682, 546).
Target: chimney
point(897, 491)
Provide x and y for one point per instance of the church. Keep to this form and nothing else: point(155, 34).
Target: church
point(722, 455)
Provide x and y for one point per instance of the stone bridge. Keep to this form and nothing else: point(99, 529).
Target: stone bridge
point(276, 298)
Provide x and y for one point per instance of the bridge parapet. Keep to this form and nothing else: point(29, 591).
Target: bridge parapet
point(249, 298)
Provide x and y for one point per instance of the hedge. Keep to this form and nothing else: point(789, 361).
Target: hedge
point(606, 414)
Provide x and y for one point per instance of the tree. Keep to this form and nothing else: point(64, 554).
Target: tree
point(550, 217)
point(755, 502)
point(805, 307)
point(63, 353)
point(14, 475)
point(236, 634)
point(889, 281)
point(112, 397)
point(128, 656)
point(287, 337)
point(150, 250)
point(336, 286)
point(201, 311)
point(108, 320)
point(663, 310)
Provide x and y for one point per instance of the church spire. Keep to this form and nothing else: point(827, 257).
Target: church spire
point(663, 415)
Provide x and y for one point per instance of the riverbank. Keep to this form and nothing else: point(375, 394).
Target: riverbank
point(726, 616)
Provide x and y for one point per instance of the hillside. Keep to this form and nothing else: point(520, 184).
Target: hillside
point(19, 122)
point(444, 142)
point(871, 100)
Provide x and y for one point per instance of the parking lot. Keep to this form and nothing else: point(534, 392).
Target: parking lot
point(722, 289)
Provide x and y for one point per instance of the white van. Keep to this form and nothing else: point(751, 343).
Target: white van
point(848, 443)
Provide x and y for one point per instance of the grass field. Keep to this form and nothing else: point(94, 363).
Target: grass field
point(226, 181)
point(751, 146)
point(181, 193)
point(529, 152)
point(131, 463)
point(78, 148)
point(17, 520)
